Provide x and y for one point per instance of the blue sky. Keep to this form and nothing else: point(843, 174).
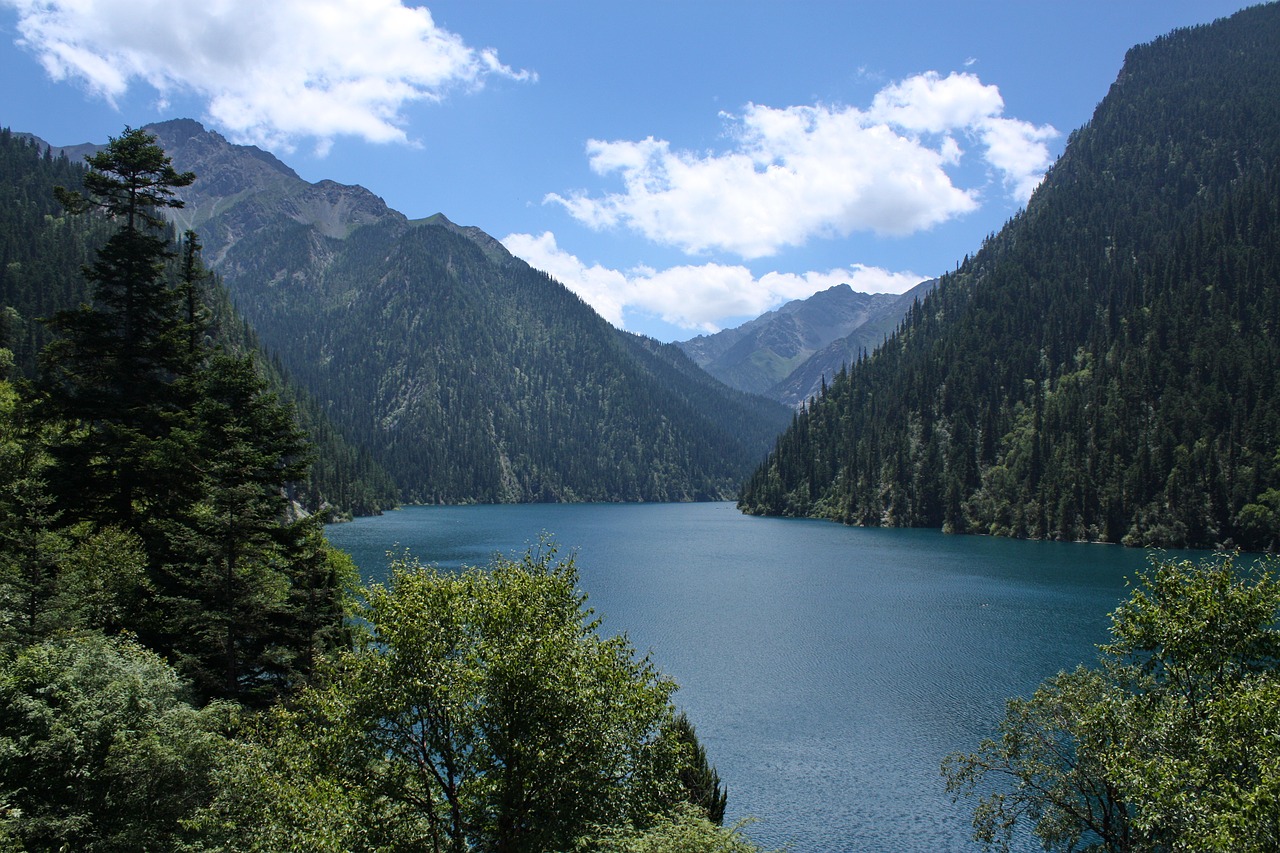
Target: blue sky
point(683, 166)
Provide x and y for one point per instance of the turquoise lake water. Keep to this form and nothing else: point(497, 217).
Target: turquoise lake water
point(828, 669)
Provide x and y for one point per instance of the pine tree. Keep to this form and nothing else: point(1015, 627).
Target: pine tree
point(111, 376)
point(160, 436)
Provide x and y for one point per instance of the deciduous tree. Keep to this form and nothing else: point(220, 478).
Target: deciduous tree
point(483, 711)
point(1168, 745)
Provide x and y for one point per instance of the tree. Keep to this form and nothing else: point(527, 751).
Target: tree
point(158, 435)
point(701, 781)
point(228, 551)
point(110, 376)
point(483, 711)
point(686, 830)
point(1167, 745)
point(29, 549)
point(99, 750)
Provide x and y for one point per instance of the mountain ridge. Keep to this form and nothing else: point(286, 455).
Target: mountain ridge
point(464, 371)
point(786, 354)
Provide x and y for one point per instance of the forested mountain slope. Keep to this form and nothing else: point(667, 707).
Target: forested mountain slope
point(42, 255)
point(1105, 367)
point(477, 381)
point(466, 373)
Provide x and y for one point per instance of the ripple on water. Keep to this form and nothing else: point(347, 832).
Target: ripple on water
point(828, 669)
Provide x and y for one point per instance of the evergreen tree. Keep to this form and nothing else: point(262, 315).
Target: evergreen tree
point(227, 553)
point(157, 435)
point(111, 375)
point(701, 781)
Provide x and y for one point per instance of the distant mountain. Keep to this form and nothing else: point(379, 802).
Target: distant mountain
point(1107, 367)
point(467, 374)
point(242, 188)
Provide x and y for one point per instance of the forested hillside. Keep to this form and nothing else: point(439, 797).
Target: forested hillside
point(476, 380)
point(464, 372)
point(1105, 367)
point(42, 253)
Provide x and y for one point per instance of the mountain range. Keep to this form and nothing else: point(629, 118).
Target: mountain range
point(465, 373)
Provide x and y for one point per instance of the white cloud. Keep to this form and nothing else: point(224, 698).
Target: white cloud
point(1018, 150)
point(799, 172)
point(271, 71)
point(929, 103)
point(695, 297)
point(603, 289)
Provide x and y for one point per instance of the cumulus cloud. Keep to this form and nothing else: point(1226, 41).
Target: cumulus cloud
point(800, 172)
point(695, 297)
point(270, 72)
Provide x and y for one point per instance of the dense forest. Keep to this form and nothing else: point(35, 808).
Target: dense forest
point(185, 663)
point(42, 254)
point(1105, 368)
point(473, 377)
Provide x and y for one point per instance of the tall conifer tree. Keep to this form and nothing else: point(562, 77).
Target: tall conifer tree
point(111, 374)
point(163, 436)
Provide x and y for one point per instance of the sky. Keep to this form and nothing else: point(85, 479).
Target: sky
point(682, 165)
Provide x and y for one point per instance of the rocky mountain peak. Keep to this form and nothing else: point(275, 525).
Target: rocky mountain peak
point(761, 355)
point(238, 188)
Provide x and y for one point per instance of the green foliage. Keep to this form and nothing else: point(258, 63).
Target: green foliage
point(483, 711)
point(1168, 745)
point(102, 582)
point(276, 794)
point(29, 551)
point(1105, 367)
point(99, 751)
point(686, 830)
point(700, 780)
point(42, 251)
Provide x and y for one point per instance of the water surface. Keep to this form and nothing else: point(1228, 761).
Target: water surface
point(828, 669)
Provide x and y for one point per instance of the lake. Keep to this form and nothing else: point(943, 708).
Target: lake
point(828, 669)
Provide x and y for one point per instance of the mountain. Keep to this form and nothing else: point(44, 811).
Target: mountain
point(462, 370)
point(774, 354)
point(1104, 368)
point(42, 256)
point(807, 380)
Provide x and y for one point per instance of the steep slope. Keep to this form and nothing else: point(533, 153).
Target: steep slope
point(42, 253)
point(481, 382)
point(807, 380)
point(469, 375)
point(762, 353)
point(1106, 366)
